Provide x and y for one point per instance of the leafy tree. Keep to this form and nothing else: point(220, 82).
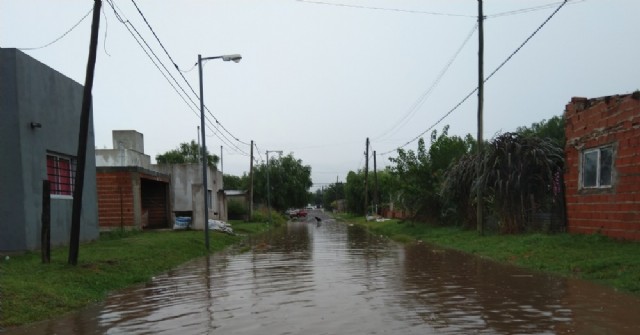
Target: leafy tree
point(235, 182)
point(289, 182)
point(421, 173)
point(186, 153)
point(354, 191)
point(552, 129)
point(332, 193)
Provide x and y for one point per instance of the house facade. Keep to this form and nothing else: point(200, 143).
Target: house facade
point(40, 111)
point(186, 192)
point(131, 195)
point(135, 194)
point(602, 165)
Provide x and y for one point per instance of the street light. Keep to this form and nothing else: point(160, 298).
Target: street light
point(236, 58)
point(268, 187)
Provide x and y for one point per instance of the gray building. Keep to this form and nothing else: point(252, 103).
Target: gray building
point(187, 192)
point(40, 111)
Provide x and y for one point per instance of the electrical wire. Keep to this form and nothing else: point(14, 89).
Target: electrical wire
point(423, 97)
point(484, 81)
point(106, 29)
point(129, 26)
point(532, 9)
point(507, 13)
point(61, 36)
point(385, 9)
point(180, 72)
point(226, 140)
point(258, 151)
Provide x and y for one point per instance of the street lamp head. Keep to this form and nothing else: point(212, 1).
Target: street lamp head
point(235, 57)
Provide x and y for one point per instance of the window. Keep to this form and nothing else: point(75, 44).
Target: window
point(597, 167)
point(61, 174)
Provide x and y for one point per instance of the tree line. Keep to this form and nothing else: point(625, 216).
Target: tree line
point(519, 172)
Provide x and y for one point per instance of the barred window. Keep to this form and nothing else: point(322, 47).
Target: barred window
point(61, 174)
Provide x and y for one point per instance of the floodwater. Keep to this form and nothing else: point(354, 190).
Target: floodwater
point(337, 279)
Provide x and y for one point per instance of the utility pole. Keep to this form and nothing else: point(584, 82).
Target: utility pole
point(251, 184)
point(199, 153)
point(375, 180)
point(366, 178)
point(221, 162)
point(480, 218)
point(74, 240)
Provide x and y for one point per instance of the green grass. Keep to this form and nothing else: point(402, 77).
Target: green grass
point(32, 291)
point(592, 257)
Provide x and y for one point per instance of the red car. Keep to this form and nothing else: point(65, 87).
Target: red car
point(297, 213)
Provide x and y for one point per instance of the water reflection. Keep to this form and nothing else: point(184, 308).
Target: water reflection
point(338, 279)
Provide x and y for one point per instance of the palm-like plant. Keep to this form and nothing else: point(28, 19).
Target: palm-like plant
point(518, 174)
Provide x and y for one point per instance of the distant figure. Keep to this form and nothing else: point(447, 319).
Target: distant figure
point(318, 220)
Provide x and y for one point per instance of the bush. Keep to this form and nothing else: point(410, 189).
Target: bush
point(236, 209)
point(262, 215)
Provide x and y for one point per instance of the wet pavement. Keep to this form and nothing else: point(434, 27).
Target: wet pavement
point(332, 278)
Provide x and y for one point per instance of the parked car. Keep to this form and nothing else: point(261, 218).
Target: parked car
point(296, 213)
point(301, 213)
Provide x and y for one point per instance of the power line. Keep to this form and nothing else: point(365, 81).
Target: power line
point(485, 80)
point(61, 36)
point(532, 9)
point(149, 50)
point(258, 151)
point(176, 81)
point(423, 97)
point(180, 72)
point(385, 9)
point(501, 14)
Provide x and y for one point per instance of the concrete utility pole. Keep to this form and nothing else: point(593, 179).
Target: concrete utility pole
point(221, 162)
point(366, 178)
point(251, 184)
point(74, 240)
point(480, 218)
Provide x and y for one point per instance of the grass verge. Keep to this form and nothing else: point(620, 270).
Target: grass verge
point(31, 291)
point(592, 257)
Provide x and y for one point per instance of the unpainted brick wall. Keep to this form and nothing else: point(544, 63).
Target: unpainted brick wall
point(591, 123)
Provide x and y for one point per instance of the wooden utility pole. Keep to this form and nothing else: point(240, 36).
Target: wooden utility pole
point(45, 232)
point(251, 184)
point(375, 181)
point(366, 178)
point(480, 218)
point(74, 242)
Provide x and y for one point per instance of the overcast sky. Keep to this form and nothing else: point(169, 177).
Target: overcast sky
point(318, 78)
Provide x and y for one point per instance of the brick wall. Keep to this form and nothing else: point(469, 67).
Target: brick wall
point(592, 123)
point(115, 199)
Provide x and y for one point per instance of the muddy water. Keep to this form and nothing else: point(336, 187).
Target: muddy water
point(336, 279)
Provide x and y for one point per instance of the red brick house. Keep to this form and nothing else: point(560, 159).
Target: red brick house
point(131, 194)
point(602, 165)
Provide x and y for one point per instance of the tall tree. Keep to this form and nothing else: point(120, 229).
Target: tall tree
point(552, 129)
point(289, 180)
point(420, 174)
point(186, 153)
point(232, 182)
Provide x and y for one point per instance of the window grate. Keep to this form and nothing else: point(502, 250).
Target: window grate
point(61, 172)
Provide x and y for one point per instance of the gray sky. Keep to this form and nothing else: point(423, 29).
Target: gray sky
point(317, 78)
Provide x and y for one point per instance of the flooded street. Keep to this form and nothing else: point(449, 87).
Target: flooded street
point(337, 279)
